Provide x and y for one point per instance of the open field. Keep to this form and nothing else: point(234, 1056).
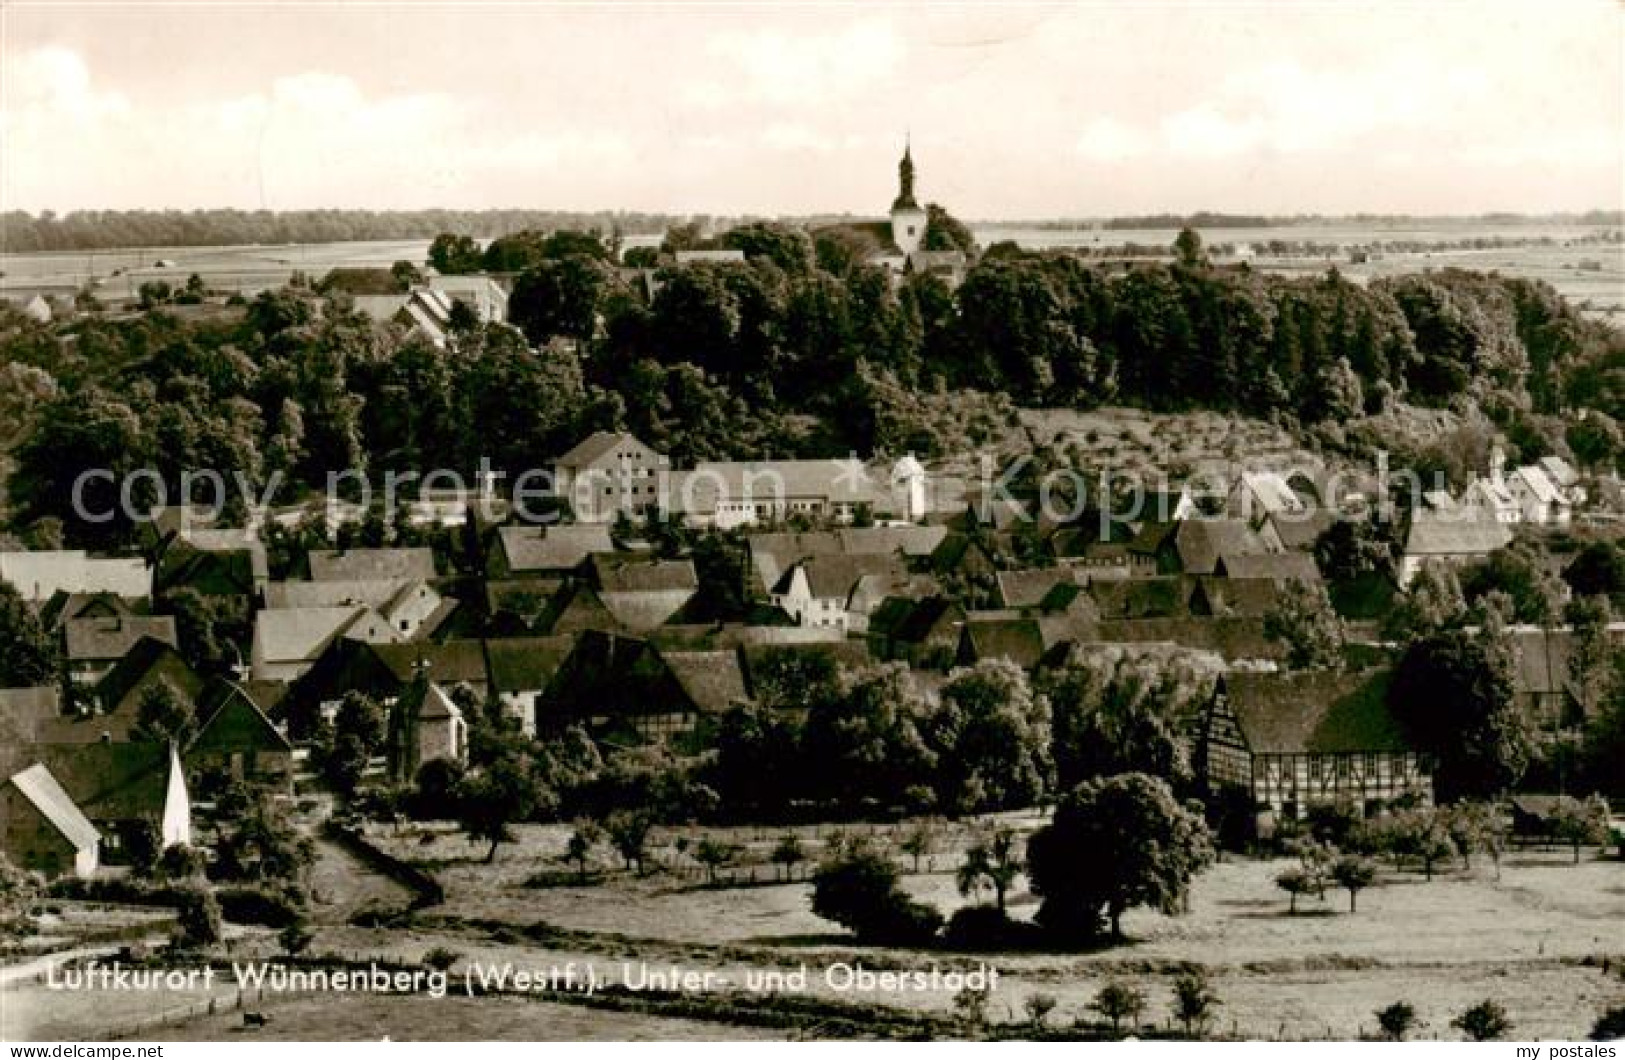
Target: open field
point(1531, 939)
point(404, 1019)
point(1584, 272)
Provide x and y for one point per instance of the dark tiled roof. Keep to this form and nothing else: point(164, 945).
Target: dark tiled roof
point(372, 564)
point(99, 639)
point(618, 573)
point(1462, 532)
point(526, 664)
point(1028, 588)
point(713, 680)
point(552, 548)
point(1300, 532)
point(1200, 542)
point(1162, 597)
point(41, 789)
point(595, 447)
point(1280, 567)
point(141, 660)
point(1319, 712)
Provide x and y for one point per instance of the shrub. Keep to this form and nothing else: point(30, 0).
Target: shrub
point(269, 906)
point(199, 923)
point(985, 927)
point(440, 958)
point(1610, 1026)
point(1397, 1020)
point(1484, 1022)
point(858, 889)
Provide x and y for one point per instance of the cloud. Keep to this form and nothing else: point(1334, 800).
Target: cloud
point(785, 69)
point(311, 138)
point(1110, 140)
point(54, 82)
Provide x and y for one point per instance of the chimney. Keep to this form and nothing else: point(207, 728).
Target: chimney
point(1498, 459)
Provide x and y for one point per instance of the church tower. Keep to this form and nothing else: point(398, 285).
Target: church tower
point(907, 219)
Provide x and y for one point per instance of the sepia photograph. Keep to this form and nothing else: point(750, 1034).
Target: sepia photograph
point(529, 521)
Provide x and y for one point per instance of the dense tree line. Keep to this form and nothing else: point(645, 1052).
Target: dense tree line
point(114, 229)
point(802, 349)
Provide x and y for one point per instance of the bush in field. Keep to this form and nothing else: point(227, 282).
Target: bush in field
point(1484, 1022)
point(1610, 1026)
point(1038, 1007)
point(199, 917)
point(295, 937)
point(787, 854)
point(1396, 1020)
point(266, 905)
point(441, 959)
point(858, 889)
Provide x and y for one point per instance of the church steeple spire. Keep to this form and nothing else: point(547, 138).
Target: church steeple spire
point(905, 180)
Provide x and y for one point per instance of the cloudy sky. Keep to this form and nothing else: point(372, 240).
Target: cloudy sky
point(1079, 110)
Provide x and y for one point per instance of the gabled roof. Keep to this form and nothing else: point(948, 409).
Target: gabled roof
point(837, 577)
point(41, 789)
point(914, 621)
point(1544, 490)
point(63, 606)
point(237, 707)
point(769, 481)
point(596, 446)
point(1317, 712)
point(1559, 471)
point(617, 573)
point(552, 548)
point(112, 781)
point(576, 609)
point(100, 639)
point(1299, 531)
point(449, 663)
point(143, 657)
point(1167, 596)
point(713, 680)
point(40, 575)
point(1280, 567)
point(302, 634)
point(1200, 542)
point(1253, 597)
point(436, 704)
point(1270, 492)
point(371, 564)
point(1021, 640)
point(1459, 533)
point(213, 567)
point(1028, 588)
point(24, 712)
point(374, 593)
point(526, 664)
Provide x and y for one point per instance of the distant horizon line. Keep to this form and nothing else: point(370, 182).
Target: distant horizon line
point(1238, 218)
